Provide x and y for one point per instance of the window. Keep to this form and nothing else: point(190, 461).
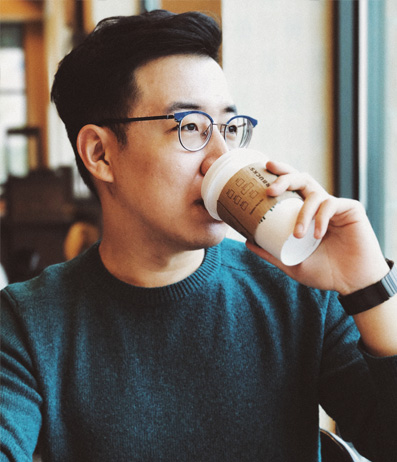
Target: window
point(13, 150)
point(379, 19)
point(366, 123)
point(390, 193)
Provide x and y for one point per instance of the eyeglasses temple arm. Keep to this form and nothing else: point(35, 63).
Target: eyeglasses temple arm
point(132, 119)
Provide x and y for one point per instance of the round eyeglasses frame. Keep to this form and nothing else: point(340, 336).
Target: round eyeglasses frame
point(178, 117)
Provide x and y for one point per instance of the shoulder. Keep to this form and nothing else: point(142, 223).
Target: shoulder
point(56, 283)
point(41, 313)
point(45, 284)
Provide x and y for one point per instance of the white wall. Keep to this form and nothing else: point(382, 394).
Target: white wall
point(277, 57)
point(105, 8)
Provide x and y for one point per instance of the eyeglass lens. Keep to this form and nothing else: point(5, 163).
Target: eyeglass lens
point(196, 129)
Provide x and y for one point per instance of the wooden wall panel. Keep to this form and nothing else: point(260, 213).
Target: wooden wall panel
point(180, 6)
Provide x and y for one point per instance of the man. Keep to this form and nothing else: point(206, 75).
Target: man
point(165, 341)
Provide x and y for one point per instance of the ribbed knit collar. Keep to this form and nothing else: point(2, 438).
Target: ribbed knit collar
point(104, 280)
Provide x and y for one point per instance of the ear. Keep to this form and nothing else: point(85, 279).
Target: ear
point(94, 145)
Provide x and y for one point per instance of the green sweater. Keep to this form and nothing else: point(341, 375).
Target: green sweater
point(229, 364)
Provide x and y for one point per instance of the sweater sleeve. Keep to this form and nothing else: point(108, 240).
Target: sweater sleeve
point(359, 391)
point(20, 400)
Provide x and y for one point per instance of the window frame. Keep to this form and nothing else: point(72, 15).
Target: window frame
point(359, 75)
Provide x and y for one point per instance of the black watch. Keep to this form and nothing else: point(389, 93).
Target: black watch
point(371, 296)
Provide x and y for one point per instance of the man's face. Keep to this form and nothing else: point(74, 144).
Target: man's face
point(157, 183)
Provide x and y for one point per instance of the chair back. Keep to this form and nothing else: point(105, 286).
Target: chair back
point(334, 449)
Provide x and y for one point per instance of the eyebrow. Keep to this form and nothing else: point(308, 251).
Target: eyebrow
point(181, 105)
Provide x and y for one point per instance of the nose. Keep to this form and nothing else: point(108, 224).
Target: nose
point(215, 148)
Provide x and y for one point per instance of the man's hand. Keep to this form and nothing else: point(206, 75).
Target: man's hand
point(349, 256)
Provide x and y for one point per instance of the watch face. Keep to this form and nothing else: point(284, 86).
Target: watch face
point(389, 282)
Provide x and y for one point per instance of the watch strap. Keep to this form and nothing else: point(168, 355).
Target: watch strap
point(373, 295)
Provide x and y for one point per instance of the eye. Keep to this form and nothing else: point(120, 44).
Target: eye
point(232, 129)
point(190, 127)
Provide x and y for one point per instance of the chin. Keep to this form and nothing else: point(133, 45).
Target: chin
point(213, 236)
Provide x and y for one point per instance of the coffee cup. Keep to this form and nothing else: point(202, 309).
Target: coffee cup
point(234, 191)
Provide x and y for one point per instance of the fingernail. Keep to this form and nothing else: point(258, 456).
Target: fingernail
point(317, 233)
point(299, 229)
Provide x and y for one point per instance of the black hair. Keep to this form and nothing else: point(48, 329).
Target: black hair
point(95, 80)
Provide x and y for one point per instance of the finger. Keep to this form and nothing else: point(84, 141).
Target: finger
point(335, 211)
point(313, 204)
point(302, 183)
point(325, 213)
point(289, 179)
point(299, 182)
point(307, 213)
point(279, 168)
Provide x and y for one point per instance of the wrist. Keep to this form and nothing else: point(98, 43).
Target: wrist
point(369, 274)
point(373, 295)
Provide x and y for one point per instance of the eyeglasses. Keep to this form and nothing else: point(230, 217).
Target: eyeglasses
point(195, 128)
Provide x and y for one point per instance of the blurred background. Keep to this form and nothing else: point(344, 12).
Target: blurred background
point(319, 75)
